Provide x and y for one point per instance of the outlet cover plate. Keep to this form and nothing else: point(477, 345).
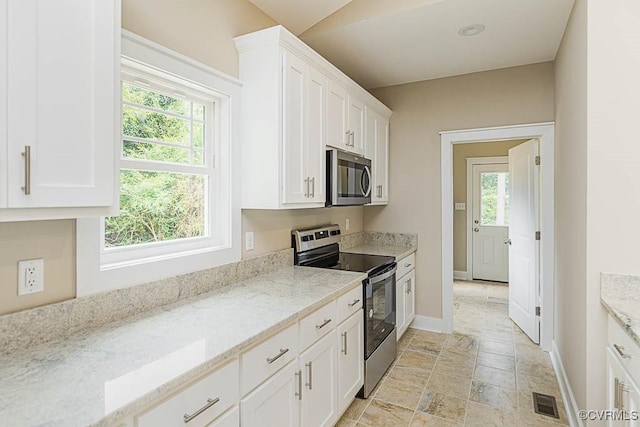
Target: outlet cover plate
point(30, 276)
point(249, 241)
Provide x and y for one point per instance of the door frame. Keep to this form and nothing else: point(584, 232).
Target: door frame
point(472, 161)
point(545, 132)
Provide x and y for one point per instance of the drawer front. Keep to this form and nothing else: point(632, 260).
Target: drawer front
point(203, 401)
point(267, 358)
point(625, 348)
point(318, 324)
point(349, 303)
point(405, 265)
point(230, 419)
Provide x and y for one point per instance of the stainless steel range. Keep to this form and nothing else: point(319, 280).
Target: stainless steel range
point(318, 247)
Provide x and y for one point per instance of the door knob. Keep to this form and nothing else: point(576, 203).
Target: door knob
point(476, 229)
point(507, 242)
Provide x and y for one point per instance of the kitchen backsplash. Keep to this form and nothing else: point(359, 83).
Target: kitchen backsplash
point(378, 238)
point(31, 327)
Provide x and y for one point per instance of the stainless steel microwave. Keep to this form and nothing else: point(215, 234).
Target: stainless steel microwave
point(348, 179)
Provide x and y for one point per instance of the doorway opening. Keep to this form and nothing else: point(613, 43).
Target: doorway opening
point(496, 223)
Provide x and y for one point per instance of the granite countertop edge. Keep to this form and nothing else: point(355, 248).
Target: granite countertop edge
point(398, 252)
point(618, 291)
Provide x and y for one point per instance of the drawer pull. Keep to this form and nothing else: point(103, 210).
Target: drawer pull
point(210, 403)
point(325, 323)
point(344, 343)
point(299, 393)
point(616, 393)
point(27, 169)
point(310, 367)
point(277, 356)
point(355, 301)
point(620, 350)
point(407, 265)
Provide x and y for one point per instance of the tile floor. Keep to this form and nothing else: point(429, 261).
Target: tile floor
point(481, 375)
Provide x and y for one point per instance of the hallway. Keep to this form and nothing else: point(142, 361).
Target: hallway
point(481, 375)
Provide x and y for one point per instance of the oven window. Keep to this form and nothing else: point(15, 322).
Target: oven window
point(380, 315)
point(353, 180)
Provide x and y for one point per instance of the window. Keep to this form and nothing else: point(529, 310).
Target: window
point(179, 170)
point(494, 198)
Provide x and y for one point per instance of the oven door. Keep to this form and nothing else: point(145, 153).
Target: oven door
point(380, 308)
point(349, 179)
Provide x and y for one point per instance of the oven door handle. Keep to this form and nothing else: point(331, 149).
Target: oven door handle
point(366, 192)
point(377, 279)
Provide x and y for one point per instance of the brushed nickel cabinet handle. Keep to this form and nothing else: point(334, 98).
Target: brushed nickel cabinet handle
point(27, 169)
point(313, 187)
point(323, 324)
point(408, 286)
point(344, 343)
point(299, 392)
point(355, 301)
point(210, 403)
point(270, 360)
point(310, 370)
point(306, 183)
point(616, 394)
point(620, 350)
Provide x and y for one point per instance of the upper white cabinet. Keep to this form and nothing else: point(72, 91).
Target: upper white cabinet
point(377, 149)
point(294, 104)
point(59, 101)
point(345, 120)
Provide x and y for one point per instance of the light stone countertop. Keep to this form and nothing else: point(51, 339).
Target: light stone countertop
point(398, 252)
point(620, 295)
point(99, 376)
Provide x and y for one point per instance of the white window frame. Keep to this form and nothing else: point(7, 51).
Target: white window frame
point(99, 270)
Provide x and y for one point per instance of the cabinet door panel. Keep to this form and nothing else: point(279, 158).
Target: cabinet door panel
point(316, 131)
point(319, 398)
point(410, 298)
point(337, 110)
point(382, 161)
point(274, 403)
point(350, 359)
point(62, 70)
point(356, 125)
point(401, 308)
point(296, 186)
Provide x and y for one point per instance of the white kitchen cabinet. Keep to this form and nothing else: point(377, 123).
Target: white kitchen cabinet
point(229, 419)
point(276, 401)
point(350, 359)
point(623, 367)
point(320, 392)
point(377, 150)
point(405, 294)
point(345, 120)
point(60, 107)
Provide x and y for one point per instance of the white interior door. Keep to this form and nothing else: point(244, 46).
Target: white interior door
point(490, 222)
point(524, 248)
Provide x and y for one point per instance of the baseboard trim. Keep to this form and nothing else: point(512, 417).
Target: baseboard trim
point(426, 323)
point(459, 275)
point(569, 400)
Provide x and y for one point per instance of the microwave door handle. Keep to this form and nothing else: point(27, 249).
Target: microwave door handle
point(366, 192)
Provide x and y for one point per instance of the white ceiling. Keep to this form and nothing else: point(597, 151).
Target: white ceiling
point(388, 42)
point(299, 15)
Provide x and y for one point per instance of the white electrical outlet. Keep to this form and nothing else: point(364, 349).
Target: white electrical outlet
point(346, 224)
point(248, 241)
point(30, 276)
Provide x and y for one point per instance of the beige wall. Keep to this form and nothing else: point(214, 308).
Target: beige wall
point(421, 110)
point(460, 154)
point(571, 201)
point(273, 228)
point(201, 29)
point(54, 241)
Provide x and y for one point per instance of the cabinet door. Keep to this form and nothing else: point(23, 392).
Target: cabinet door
point(337, 111)
point(616, 378)
point(316, 134)
point(350, 359)
point(356, 125)
point(410, 298)
point(320, 368)
point(381, 163)
point(401, 309)
point(62, 102)
point(230, 419)
point(295, 179)
point(274, 403)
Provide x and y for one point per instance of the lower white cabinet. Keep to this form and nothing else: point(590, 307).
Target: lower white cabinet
point(350, 359)
point(622, 393)
point(405, 302)
point(276, 402)
point(230, 419)
point(319, 365)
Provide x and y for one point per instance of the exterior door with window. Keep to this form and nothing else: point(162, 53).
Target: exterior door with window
point(490, 222)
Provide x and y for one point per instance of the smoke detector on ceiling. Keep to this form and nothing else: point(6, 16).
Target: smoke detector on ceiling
point(471, 30)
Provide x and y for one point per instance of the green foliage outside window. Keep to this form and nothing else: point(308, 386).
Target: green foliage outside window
point(490, 204)
point(159, 206)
